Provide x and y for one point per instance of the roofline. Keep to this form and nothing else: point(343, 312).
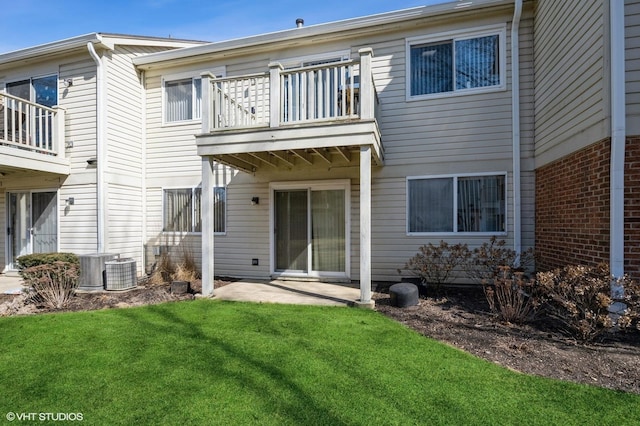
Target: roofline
point(105, 41)
point(397, 16)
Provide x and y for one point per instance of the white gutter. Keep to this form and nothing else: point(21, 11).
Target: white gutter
point(100, 149)
point(515, 124)
point(618, 136)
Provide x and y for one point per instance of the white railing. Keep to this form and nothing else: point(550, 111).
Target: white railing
point(240, 102)
point(322, 92)
point(334, 91)
point(30, 126)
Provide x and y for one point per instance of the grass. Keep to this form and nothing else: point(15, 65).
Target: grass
point(211, 362)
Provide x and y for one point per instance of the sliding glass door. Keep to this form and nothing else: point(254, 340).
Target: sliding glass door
point(310, 231)
point(32, 224)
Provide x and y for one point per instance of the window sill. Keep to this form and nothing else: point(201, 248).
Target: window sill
point(457, 234)
point(463, 92)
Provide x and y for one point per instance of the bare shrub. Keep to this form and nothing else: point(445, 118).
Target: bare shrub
point(485, 262)
point(511, 296)
point(578, 298)
point(435, 265)
point(52, 284)
point(163, 271)
point(187, 269)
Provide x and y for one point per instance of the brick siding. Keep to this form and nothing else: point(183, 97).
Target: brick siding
point(572, 208)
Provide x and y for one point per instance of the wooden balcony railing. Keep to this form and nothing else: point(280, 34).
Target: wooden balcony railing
point(30, 126)
point(335, 91)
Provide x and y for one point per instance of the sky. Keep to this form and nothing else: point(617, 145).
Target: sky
point(27, 23)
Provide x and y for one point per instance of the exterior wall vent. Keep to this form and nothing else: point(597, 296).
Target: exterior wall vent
point(121, 274)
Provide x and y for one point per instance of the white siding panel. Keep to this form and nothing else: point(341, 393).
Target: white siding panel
point(570, 81)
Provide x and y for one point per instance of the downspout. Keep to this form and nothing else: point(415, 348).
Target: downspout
point(100, 149)
point(515, 125)
point(143, 169)
point(618, 136)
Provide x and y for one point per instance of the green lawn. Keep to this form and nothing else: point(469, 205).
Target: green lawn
point(211, 362)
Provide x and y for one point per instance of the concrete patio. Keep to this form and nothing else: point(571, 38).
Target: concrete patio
point(276, 291)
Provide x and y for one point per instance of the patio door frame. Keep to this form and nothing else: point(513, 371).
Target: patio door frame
point(10, 265)
point(338, 184)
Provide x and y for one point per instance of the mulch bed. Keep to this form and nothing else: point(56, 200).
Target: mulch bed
point(461, 318)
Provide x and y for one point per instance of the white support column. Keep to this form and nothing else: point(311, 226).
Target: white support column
point(59, 143)
point(365, 228)
point(366, 84)
point(208, 121)
point(274, 93)
point(207, 226)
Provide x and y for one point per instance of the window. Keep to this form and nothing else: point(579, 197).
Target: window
point(468, 62)
point(183, 100)
point(181, 208)
point(456, 204)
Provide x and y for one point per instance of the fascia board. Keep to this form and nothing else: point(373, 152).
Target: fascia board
point(372, 21)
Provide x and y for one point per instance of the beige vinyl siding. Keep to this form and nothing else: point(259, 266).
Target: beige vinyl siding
point(632, 56)
point(571, 92)
point(125, 222)
point(78, 232)
point(469, 133)
point(77, 223)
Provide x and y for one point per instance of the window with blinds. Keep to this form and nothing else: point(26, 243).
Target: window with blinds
point(456, 204)
point(182, 100)
point(181, 210)
point(456, 64)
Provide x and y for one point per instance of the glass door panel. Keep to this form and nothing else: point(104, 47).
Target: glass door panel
point(291, 231)
point(45, 230)
point(32, 224)
point(19, 225)
point(328, 230)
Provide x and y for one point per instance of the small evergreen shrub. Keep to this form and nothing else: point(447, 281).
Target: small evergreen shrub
point(52, 284)
point(578, 299)
point(29, 260)
point(435, 264)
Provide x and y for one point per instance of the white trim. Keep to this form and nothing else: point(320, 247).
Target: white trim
point(298, 61)
point(310, 185)
point(618, 140)
point(455, 205)
point(515, 126)
point(500, 30)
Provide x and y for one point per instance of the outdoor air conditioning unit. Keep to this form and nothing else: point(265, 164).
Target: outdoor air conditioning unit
point(121, 274)
point(92, 270)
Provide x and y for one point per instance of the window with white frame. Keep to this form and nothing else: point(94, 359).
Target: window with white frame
point(456, 204)
point(182, 100)
point(182, 206)
point(457, 62)
point(182, 96)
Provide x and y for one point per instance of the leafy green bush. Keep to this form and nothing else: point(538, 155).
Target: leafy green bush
point(435, 265)
point(52, 284)
point(578, 298)
point(485, 262)
point(29, 260)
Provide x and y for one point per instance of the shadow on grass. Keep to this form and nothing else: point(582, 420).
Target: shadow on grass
point(299, 410)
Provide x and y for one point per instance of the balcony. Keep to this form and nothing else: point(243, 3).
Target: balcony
point(288, 117)
point(31, 136)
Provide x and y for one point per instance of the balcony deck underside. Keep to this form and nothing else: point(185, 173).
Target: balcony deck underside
point(12, 158)
point(255, 149)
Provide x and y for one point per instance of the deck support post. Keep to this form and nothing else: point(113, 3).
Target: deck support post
point(365, 228)
point(207, 218)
